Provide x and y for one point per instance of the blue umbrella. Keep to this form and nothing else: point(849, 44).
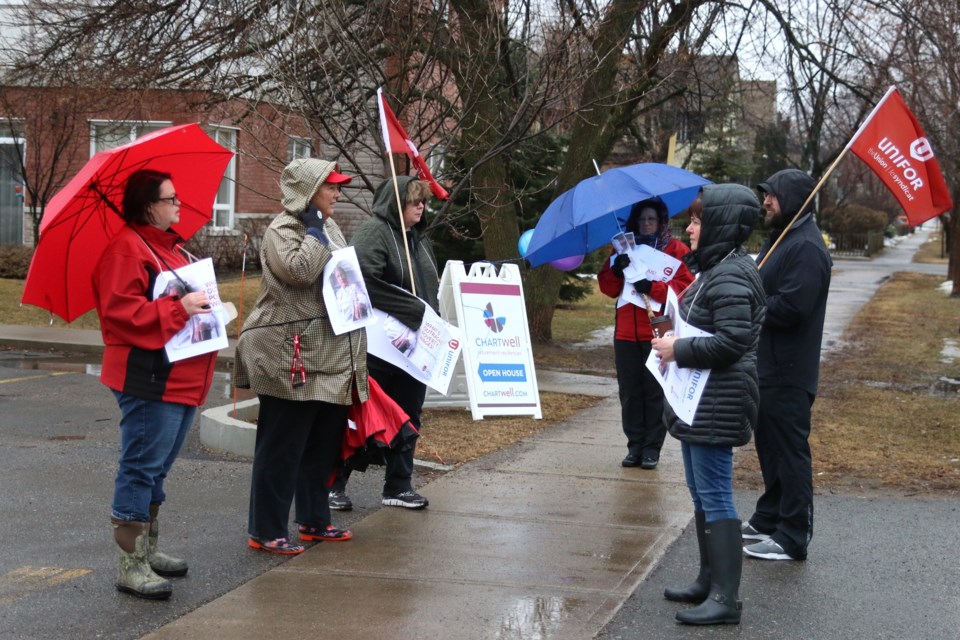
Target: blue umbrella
point(588, 215)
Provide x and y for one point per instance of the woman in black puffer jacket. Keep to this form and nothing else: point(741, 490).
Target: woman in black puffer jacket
point(727, 301)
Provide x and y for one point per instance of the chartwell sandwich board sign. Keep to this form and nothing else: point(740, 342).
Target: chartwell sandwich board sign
point(497, 354)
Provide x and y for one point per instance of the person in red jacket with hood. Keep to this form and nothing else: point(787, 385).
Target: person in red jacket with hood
point(641, 398)
point(158, 399)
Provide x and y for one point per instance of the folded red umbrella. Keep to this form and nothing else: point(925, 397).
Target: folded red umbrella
point(82, 217)
point(373, 427)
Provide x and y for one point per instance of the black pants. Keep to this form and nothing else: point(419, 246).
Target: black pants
point(409, 393)
point(641, 398)
point(298, 445)
point(781, 437)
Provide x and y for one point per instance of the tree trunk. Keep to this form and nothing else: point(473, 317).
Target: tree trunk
point(479, 36)
point(543, 284)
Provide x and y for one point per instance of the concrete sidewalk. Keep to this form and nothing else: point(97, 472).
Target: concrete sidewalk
point(545, 539)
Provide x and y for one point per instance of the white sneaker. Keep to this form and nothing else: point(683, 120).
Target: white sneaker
point(767, 550)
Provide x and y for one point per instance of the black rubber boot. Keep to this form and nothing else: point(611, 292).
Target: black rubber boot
point(724, 549)
point(697, 591)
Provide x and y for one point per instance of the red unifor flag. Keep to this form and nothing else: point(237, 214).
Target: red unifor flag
point(396, 140)
point(893, 145)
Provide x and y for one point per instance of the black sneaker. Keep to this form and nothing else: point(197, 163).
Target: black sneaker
point(339, 501)
point(649, 460)
point(406, 499)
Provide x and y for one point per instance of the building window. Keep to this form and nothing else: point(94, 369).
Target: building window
point(225, 204)
point(436, 160)
point(690, 126)
point(299, 148)
point(109, 134)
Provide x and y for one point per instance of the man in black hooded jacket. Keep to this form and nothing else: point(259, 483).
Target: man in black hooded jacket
point(796, 278)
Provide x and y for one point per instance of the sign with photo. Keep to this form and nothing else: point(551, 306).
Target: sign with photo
point(429, 354)
point(345, 292)
point(204, 332)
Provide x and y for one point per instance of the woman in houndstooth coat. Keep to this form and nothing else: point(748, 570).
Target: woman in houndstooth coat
point(304, 375)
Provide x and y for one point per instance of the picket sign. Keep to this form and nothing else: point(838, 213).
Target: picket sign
point(488, 307)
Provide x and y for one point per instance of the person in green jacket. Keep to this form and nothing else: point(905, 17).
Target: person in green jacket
point(379, 243)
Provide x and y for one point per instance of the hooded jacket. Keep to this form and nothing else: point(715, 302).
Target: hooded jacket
point(290, 306)
point(383, 261)
point(727, 301)
point(135, 327)
point(796, 280)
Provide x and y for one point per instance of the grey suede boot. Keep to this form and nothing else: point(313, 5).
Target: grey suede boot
point(697, 591)
point(161, 563)
point(134, 574)
point(722, 605)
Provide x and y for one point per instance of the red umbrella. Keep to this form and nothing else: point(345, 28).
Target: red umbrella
point(80, 220)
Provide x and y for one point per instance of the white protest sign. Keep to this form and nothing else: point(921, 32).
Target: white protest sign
point(646, 263)
point(682, 387)
point(429, 354)
point(204, 332)
point(345, 292)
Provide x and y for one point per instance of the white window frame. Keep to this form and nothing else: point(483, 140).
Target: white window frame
point(436, 161)
point(136, 128)
point(218, 132)
point(299, 147)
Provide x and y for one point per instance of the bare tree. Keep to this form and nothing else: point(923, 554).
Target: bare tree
point(53, 121)
point(928, 72)
point(475, 78)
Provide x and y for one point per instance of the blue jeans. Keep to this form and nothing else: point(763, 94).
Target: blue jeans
point(151, 435)
point(709, 472)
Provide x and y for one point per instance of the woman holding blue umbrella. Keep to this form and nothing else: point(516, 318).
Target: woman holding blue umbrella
point(641, 397)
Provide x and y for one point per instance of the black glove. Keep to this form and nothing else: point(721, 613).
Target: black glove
point(312, 218)
point(642, 286)
point(314, 221)
point(619, 264)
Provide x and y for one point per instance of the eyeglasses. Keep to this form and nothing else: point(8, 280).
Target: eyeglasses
point(418, 202)
point(171, 199)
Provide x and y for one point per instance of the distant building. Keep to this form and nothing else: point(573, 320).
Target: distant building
point(710, 116)
point(47, 134)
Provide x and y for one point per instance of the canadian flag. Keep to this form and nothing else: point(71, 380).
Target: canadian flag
point(893, 145)
point(396, 140)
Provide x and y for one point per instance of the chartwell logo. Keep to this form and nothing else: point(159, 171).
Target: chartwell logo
point(921, 150)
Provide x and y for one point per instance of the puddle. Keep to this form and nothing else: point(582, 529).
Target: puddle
point(602, 337)
point(943, 386)
point(950, 352)
point(536, 618)
point(947, 386)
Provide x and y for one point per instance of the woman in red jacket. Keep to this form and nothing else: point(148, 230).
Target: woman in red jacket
point(641, 398)
point(158, 399)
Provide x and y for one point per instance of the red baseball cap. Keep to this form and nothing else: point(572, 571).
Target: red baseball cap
point(338, 178)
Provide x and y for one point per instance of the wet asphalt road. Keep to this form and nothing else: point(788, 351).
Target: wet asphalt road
point(880, 567)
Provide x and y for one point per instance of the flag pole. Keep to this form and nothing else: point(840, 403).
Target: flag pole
point(243, 274)
point(403, 227)
point(833, 166)
point(807, 202)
